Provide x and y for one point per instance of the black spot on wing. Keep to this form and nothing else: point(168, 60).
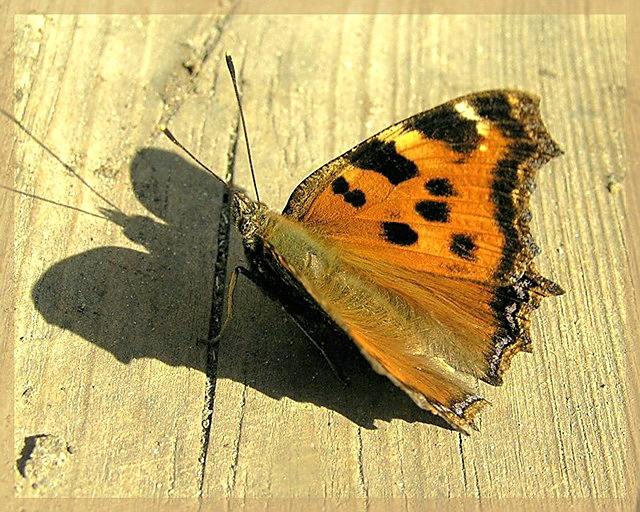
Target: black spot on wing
point(382, 157)
point(399, 233)
point(340, 185)
point(355, 197)
point(445, 124)
point(463, 246)
point(440, 187)
point(433, 211)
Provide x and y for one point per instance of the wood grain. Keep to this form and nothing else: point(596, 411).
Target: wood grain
point(108, 369)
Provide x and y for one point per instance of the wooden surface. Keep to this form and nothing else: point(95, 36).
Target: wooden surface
point(114, 397)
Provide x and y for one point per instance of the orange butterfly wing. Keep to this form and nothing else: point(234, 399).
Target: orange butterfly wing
point(434, 209)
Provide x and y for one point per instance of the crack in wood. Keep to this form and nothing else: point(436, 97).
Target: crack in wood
point(217, 303)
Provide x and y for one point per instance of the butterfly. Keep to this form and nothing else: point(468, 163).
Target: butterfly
point(416, 245)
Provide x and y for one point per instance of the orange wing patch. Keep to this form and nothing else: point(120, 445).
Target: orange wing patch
point(430, 386)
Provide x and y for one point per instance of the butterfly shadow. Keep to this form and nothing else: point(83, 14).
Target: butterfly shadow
point(150, 303)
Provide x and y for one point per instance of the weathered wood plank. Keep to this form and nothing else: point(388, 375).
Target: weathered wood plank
point(130, 402)
point(107, 360)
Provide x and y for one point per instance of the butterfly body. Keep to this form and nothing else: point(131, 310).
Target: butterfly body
point(416, 245)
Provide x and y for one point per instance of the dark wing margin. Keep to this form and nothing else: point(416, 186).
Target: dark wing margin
point(517, 115)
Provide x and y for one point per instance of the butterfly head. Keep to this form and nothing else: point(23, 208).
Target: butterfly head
point(250, 216)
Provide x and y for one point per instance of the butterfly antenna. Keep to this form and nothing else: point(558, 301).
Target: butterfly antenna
point(173, 139)
point(68, 167)
point(232, 72)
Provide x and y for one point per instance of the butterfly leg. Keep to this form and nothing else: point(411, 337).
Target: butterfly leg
point(228, 313)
